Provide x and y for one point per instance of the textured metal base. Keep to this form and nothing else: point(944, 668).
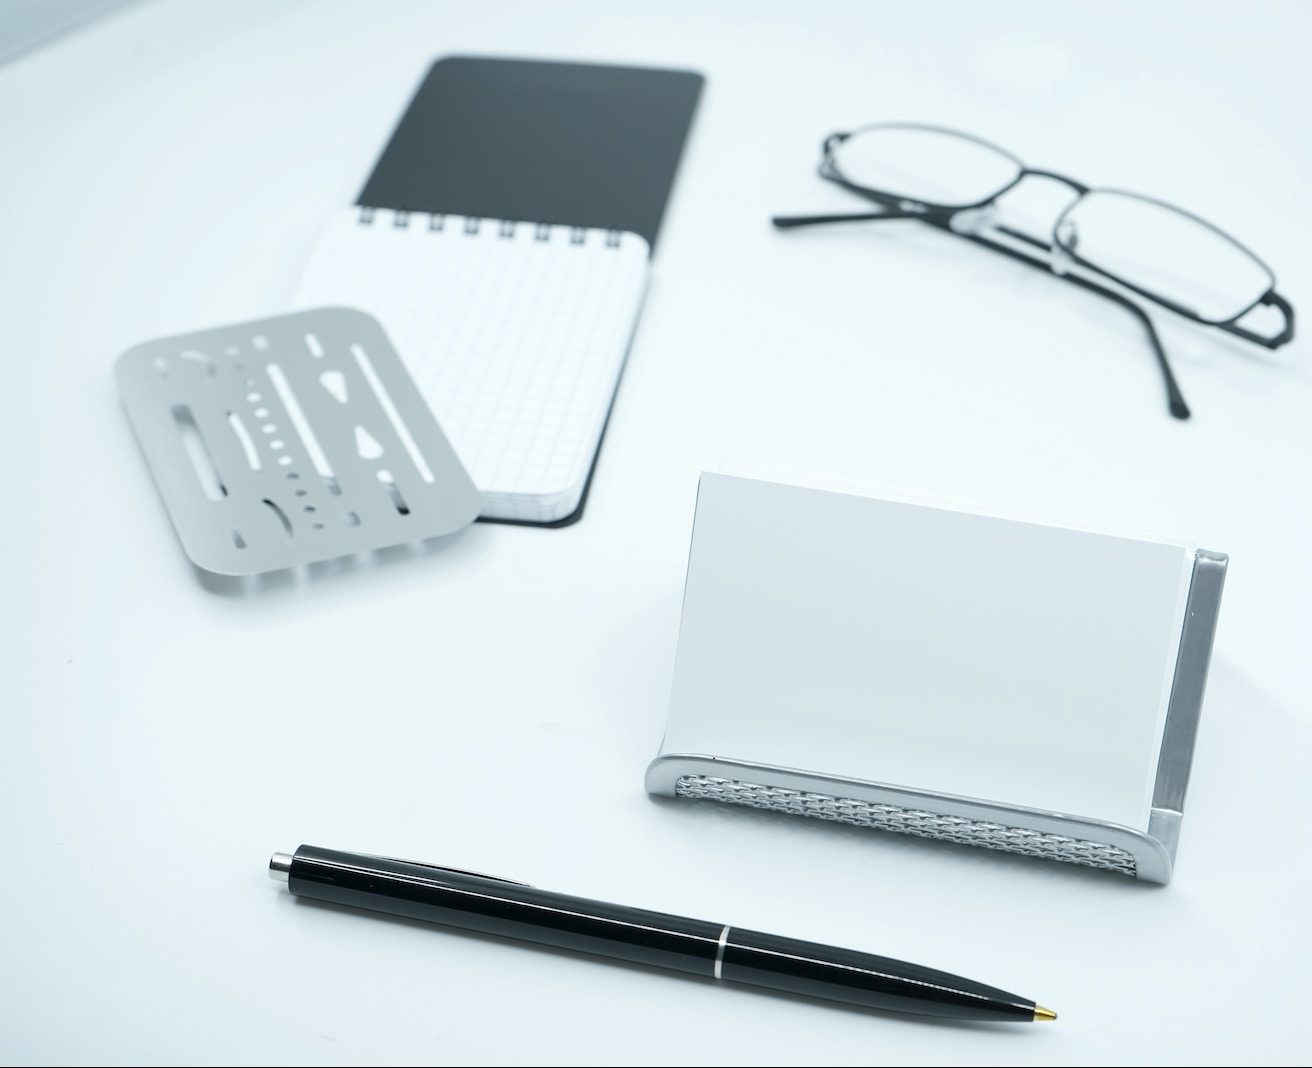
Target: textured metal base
point(915, 821)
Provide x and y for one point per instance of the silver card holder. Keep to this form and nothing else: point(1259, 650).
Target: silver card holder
point(1146, 855)
point(291, 440)
point(824, 750)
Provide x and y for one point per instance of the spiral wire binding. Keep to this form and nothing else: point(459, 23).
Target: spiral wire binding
point(471, 225)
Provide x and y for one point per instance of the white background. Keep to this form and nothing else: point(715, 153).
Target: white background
point(493, 705)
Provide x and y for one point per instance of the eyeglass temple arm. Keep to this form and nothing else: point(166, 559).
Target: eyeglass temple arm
point(791, 222)
point(1174, 397)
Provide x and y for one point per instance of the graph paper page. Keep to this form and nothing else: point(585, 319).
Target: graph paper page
point(515, 334)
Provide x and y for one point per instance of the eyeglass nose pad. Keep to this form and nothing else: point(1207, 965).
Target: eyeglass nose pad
point(832, 142)
point(974, 221)
point(1067, 241)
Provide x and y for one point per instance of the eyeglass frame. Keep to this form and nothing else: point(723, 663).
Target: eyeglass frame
point(942, 216)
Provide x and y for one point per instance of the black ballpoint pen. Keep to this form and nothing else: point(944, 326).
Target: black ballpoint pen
point(515, 910)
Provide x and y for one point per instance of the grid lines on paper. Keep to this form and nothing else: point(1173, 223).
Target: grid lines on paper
point(515, 342)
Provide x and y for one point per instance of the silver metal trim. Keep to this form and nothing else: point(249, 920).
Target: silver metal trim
point(280, 867)
point(719, 951)
point(1186, 704)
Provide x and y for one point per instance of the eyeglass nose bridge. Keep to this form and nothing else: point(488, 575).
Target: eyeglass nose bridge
point(1037, 172)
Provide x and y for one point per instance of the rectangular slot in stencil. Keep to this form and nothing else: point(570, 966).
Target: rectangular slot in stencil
point(244, 438)
point(202, 462)
point(389, 409)
point(302, 425)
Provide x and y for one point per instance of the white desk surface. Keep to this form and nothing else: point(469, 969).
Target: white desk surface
point(494, 705)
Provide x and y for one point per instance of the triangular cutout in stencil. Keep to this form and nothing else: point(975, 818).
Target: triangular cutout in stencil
point(335, 383)
point(366, 446)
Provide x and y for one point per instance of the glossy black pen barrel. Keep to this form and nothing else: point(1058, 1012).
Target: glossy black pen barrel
point(513, 910)
point(499, 907)
point(862, 979)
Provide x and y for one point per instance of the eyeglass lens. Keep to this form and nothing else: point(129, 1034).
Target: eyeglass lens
point(1165, 252)
point(925, 165)
point(1160, 250)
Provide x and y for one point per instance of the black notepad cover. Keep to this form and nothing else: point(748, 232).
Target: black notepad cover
point(564, 143)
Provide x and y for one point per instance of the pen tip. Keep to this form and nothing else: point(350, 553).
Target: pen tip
point(1040, 1013)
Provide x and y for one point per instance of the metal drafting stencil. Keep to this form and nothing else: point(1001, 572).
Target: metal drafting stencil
point(291, 440)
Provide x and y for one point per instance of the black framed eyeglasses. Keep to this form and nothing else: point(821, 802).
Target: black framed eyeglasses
point(1141, 246)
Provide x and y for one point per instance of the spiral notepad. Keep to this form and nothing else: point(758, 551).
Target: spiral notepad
point(514, 333)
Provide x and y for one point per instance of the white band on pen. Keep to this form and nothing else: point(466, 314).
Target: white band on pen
point(719, 951)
